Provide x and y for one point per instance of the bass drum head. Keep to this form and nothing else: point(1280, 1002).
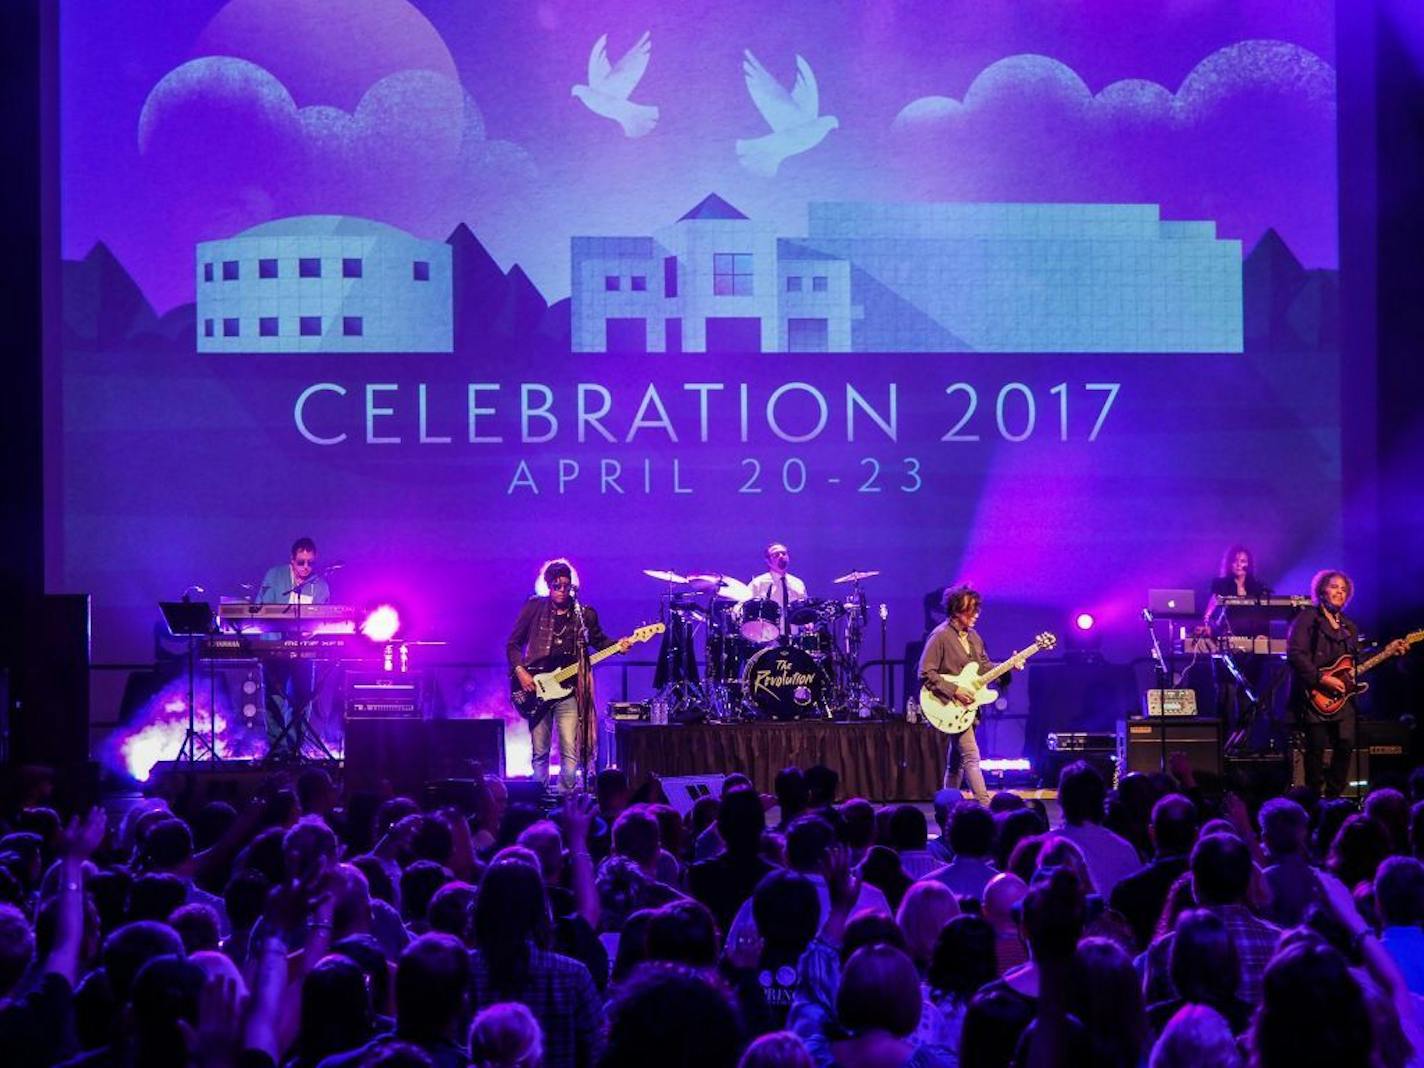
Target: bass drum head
point(785, 683)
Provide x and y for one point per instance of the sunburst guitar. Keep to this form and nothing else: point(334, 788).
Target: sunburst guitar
point(954, 717)
point(1327, 703)
point(551, 686)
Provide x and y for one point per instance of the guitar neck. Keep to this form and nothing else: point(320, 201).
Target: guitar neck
point(566, 673)
point(1005, 666)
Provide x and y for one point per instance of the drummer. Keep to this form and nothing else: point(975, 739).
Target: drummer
point(777, 583)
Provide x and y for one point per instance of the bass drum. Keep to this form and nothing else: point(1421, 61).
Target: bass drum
point(783, 682)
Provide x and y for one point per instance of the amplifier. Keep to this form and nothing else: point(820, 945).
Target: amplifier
point(629, 711)
point(1382, 756)
point(1081, 742)
point(1141, 748)
point(374, 695)
point(1169, 703)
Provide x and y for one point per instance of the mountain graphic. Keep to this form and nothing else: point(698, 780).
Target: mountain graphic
point(498, 308)
point(1285, 306)
point(103, 305)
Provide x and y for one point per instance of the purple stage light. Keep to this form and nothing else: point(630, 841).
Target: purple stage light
point(382, 624)
point(1084, 621)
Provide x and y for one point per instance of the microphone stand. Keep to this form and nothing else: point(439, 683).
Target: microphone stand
point(1164, 681)
point(583, 691)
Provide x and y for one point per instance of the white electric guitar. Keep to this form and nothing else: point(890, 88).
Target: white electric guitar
point(550, 686)
point(954, 717)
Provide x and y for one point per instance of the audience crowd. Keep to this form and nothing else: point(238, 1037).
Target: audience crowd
point(1162, 922)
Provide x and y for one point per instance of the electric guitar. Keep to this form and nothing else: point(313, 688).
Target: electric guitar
point(551, 686)
point(951, 716)
point(1326, 703)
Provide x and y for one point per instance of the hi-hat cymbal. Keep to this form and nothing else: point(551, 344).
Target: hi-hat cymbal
point(856, 576)
point(664, 576)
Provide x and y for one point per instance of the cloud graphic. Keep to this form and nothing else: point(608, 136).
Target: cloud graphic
point(224, 143)
point(1248, 140)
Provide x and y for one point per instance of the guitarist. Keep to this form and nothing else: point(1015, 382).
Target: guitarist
point(949, 649)
point(545, 637)
point(1318, 637)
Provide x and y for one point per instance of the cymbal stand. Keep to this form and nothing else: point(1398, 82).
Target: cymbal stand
point(679, 691)
point(855, 694)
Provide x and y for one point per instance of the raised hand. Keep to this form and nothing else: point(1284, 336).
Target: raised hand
point(83, 836)
point(213, 1041)
point(842, 881)
point(578, 812)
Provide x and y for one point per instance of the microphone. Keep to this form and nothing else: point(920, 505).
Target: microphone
point(195, 588)
point(337, 566)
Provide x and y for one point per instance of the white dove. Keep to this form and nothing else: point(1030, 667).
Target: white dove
point(608, 87)
point(795, 119)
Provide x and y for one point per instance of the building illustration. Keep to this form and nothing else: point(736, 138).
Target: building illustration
point(910, 277)
point(323, 283)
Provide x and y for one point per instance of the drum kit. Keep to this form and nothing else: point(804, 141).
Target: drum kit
point(760, 663)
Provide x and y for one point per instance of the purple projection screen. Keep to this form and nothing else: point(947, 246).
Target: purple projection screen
point(1037, 296)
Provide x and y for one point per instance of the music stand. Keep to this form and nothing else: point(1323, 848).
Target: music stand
point(192, 620)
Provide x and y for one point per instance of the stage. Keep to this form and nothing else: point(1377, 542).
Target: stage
point(881, 761)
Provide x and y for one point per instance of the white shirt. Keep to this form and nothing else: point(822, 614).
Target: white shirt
point(1110, 858)
point(769, 585)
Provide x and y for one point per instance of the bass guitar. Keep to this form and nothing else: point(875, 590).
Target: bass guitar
point(1327, 703)
point(551, 686)
point(951, 716)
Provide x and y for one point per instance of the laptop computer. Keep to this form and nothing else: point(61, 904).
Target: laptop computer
point(1172, 604)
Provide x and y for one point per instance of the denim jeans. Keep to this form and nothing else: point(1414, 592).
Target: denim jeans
point(563, 712)
point(963, 763)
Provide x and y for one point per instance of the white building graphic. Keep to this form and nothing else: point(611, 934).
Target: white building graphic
point(912, 278)
point(324, 283)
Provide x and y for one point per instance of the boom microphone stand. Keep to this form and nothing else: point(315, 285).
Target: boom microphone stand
point(583, 690)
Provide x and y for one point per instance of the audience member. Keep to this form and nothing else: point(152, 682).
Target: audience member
point(1138, 897)
point(971, 840)
point(1220, 879)
point(1081, 795)
point(1291, 881)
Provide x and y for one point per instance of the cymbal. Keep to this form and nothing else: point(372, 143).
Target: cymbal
point(664, 576)
point(855, 576)
point(722, 585)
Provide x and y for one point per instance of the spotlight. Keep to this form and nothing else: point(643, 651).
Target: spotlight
point(381, 625)
point(1084, 639)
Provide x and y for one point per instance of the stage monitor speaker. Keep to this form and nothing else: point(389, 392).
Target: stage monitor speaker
point(407, 753)
point(456, 743)
point(1140, 744)
point(683, 791)
point(50, 719)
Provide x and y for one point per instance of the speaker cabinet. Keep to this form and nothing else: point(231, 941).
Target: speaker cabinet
point(407, 753)
point(1381, 757)
point(1141, 746)
point(50, 718)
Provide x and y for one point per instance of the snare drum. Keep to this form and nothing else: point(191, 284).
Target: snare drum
point(759, 619)
point(783, 682)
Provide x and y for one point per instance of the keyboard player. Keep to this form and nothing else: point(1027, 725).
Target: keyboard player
point(1238, 575)
point(1237, 578)
point(296, 581)
point(291, 684)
